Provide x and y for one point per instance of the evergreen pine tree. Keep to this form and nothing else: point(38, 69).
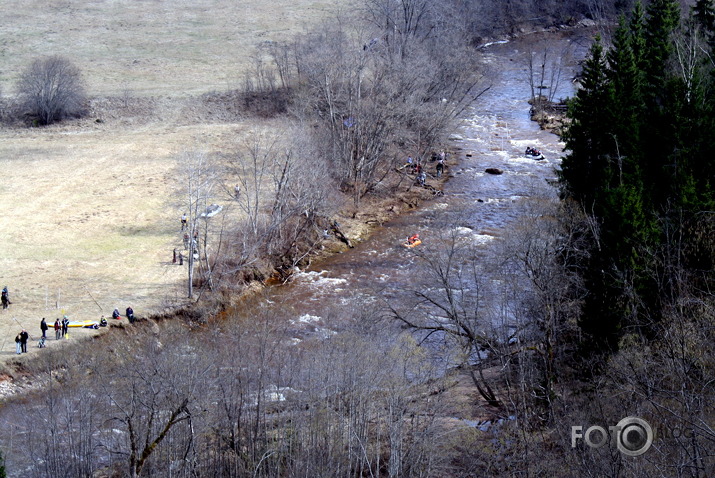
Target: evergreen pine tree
point(705, 16)
point(699, 148)
point(625, 84)
point(662, 20)
point(588, 173)
point(636, 28)
point(640, 163)
point(583, 171)
point(657, 140)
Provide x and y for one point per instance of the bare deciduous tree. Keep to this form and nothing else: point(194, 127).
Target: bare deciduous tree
point(451, 305)
point(537, 262)
point(545, 78)
point(283, 193)
point(197, 191)
point(150, 398)
point(51, 89)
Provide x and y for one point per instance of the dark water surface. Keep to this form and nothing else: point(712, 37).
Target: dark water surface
point(479, 207)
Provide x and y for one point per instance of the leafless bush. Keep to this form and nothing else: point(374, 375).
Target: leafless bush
point(282, 192)
point(51, 89)
point(266, 89)
point(513, 306)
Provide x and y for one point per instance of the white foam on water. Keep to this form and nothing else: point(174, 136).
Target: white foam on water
point(325, 333)
point(523, 143)
point(318, 279)
point(524, 159)
point(307, 318)
point(308, 276)
point(482, 238)
point(502, 154)
point(499, 200)
point(496, 42)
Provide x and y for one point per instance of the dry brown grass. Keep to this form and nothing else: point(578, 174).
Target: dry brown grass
point(89, 217)
point(150, 47)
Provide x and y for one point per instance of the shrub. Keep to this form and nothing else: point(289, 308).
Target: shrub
point(51, 89)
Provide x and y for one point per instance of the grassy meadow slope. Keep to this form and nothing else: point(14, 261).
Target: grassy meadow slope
point(149, 47)
point(89, 211)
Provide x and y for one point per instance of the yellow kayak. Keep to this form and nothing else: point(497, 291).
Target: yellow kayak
point(88, 324)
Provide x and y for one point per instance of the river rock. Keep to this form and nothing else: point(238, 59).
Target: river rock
point(493, 171)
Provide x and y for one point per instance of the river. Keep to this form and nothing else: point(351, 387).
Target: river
point(479, 206)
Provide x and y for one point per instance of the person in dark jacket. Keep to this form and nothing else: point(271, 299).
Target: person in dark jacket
point(58, 329)
point(440, 167)
point(130, 314)
point(23, 340)
point(5, 298)
point(43, 328)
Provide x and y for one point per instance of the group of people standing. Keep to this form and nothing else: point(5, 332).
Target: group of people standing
point(61, 327)
point(21, 341)
point(418, 170)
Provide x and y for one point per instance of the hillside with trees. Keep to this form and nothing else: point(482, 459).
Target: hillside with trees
point(639, 167)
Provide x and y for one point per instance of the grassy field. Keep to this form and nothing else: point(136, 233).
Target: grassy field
point(149, 47)
point(89, 208)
